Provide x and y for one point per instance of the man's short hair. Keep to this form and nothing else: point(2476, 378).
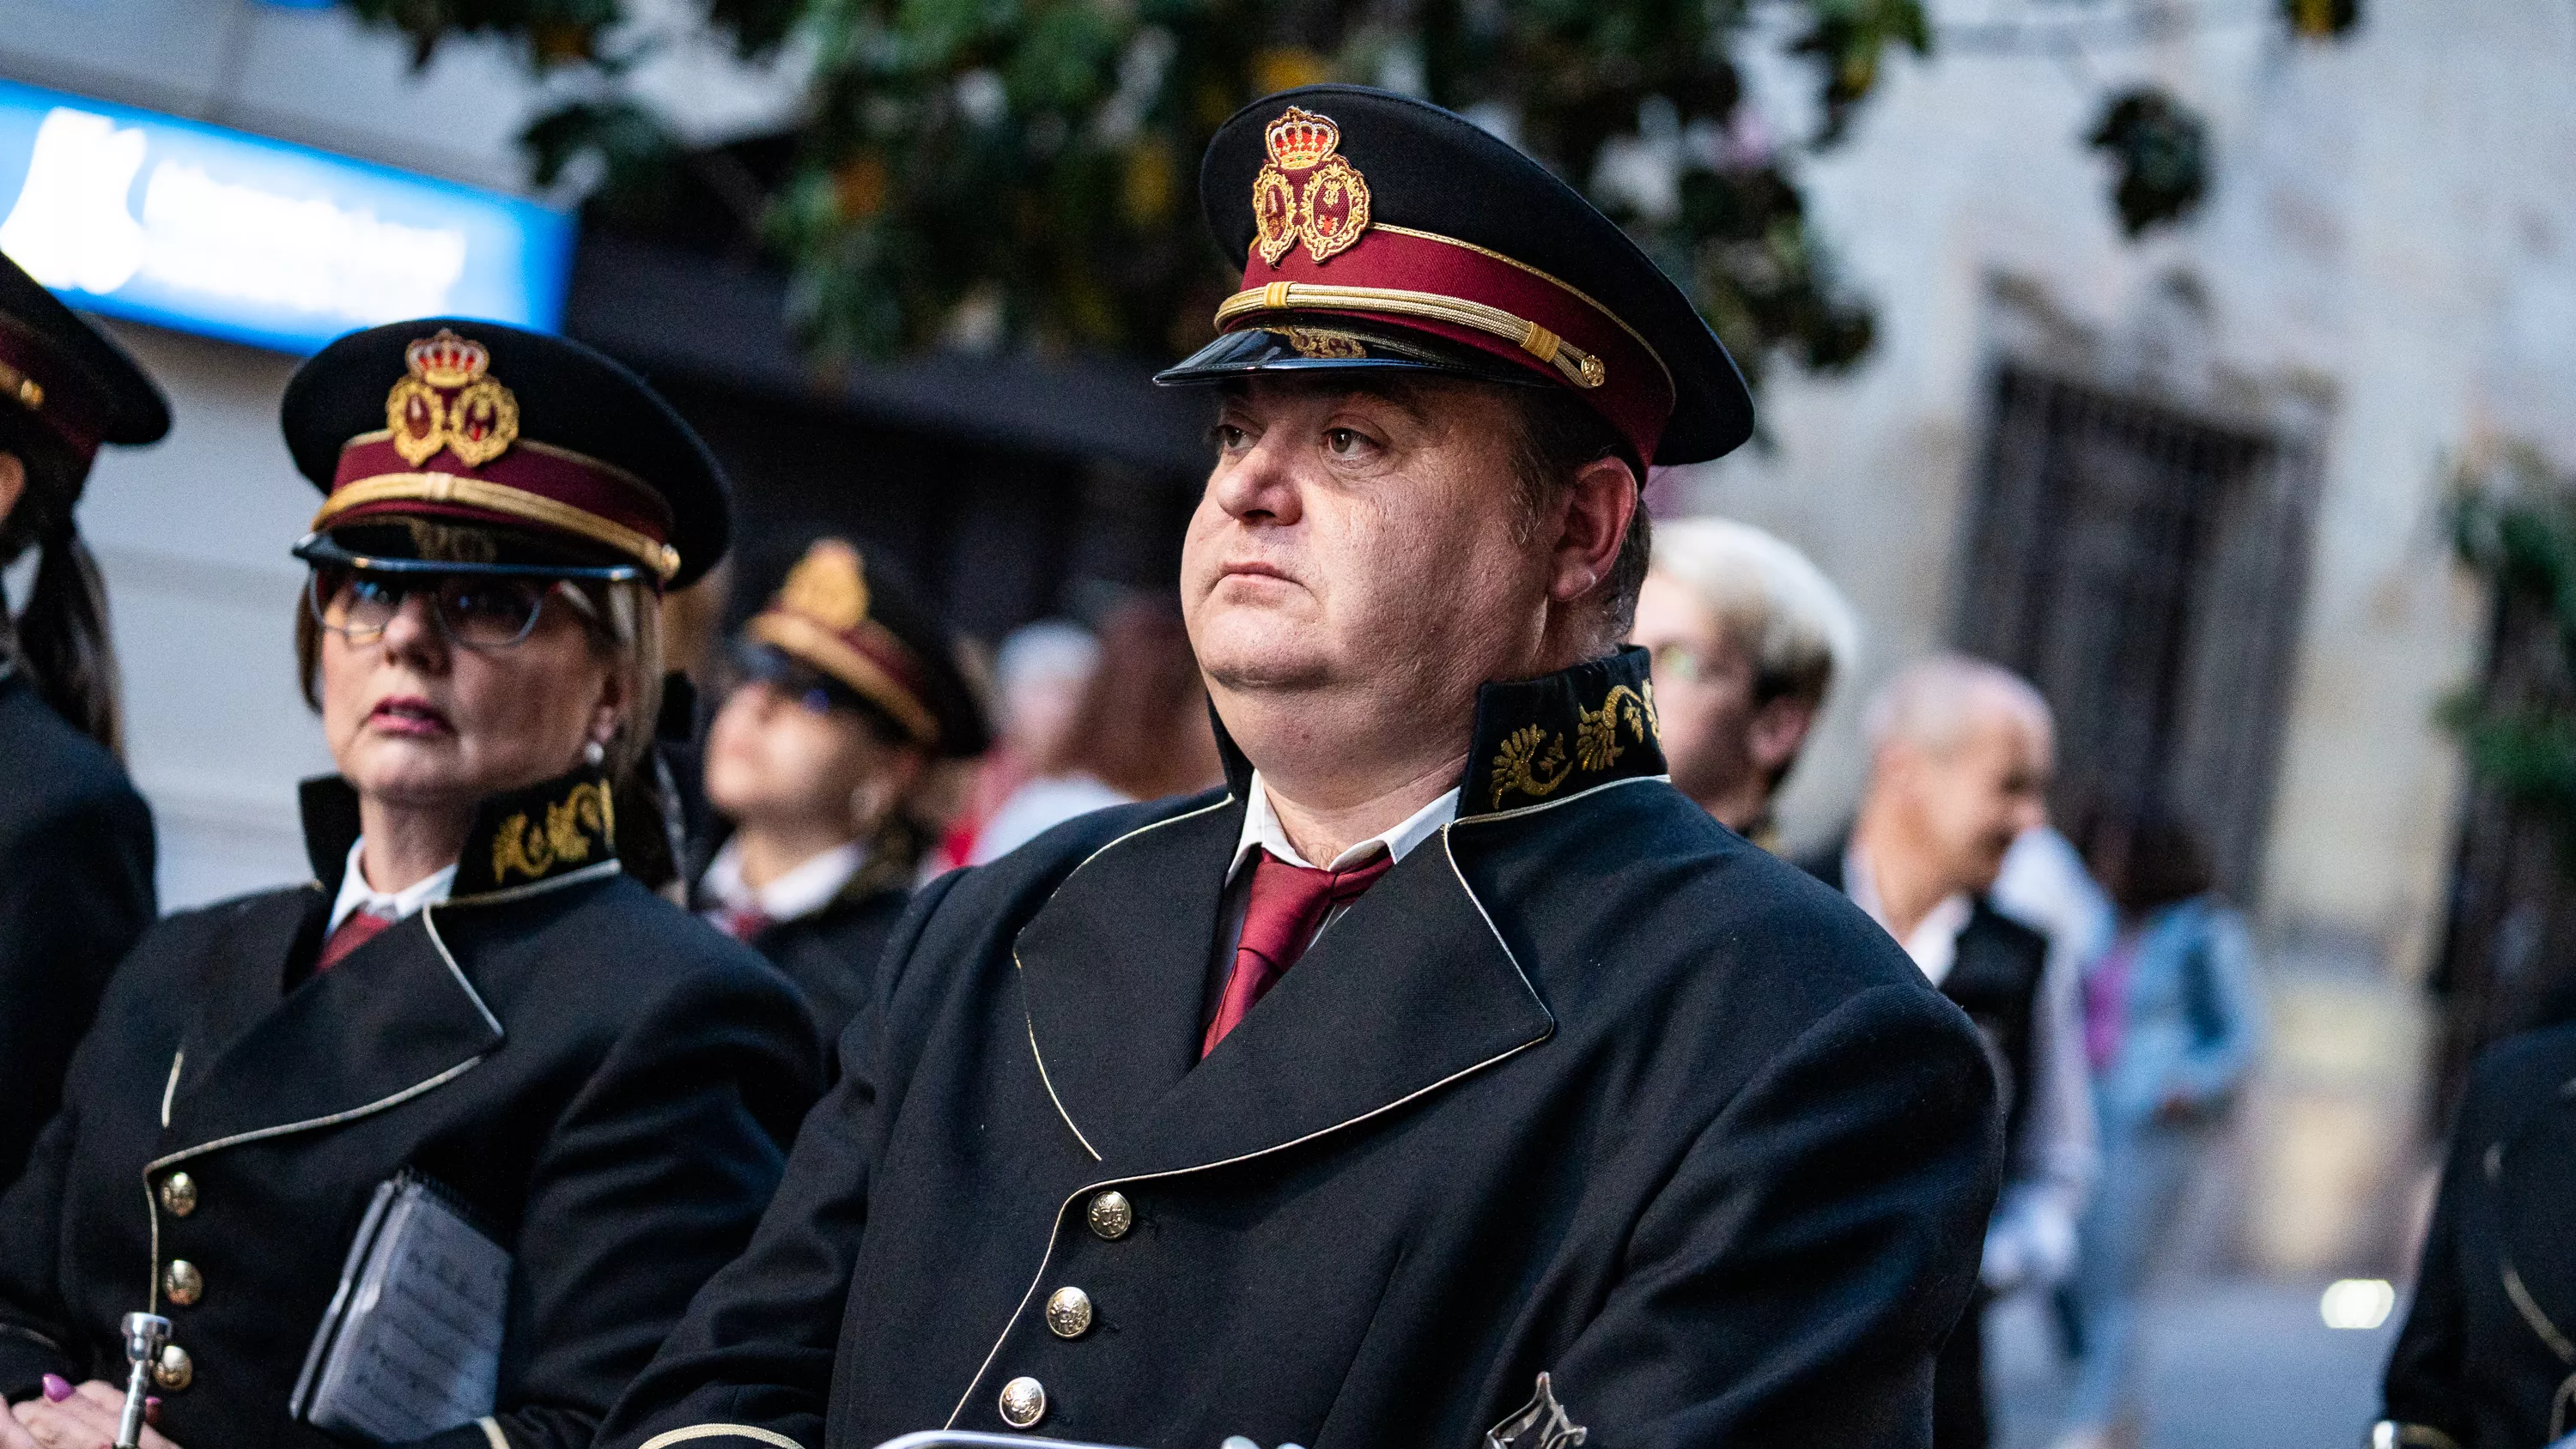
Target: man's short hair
point(1766, 596)
point(1931, 703)
point(1559, 434)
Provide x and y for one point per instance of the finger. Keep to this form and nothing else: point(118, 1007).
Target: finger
point(52, 1428)
point(13, 1435)
point(96, 1408)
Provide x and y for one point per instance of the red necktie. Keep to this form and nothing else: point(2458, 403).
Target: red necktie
point(356, 929)
point(1288, 905)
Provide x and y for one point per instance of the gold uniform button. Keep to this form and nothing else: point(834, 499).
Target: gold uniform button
point(1112, 1215)
point(182, 1282)
point(176, 1370)
point(1023, 1402)
point(178, 1194)
point(1068, 1313)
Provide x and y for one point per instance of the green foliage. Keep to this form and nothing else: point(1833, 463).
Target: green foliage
point(2160, 152)
point(2517, 531)
point(982, 170)
point(1023, 172)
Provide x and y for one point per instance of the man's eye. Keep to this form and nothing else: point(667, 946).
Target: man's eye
point(1680, 661)
point(1342, 442)
point(1227, 436)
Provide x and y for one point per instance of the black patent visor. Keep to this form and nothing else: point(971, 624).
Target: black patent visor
point(1325, 347)
point(322, 548)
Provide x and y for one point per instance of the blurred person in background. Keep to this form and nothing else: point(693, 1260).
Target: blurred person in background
point(474, 989)
point(2171, 1020)
point(1026, 782)
point(75, 840)
point(1746, 636)
point(817, 766)
point(1961, 752)
point(2487, 1358)
point(1143, 728)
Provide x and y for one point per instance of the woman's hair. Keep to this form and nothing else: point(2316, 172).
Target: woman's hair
point(2147, 857)
point(1143, 726)
point(1766, 596)
point(61, 637)
point(624, 627)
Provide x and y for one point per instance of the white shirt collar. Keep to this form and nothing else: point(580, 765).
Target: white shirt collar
point(1262, 831)
point(800, 892)
point(1934, 944)
point(356, 894)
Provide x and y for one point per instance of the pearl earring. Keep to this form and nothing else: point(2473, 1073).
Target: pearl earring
point(594, 752)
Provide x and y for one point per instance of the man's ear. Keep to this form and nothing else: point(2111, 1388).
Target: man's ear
point(13, 484)
point(1597, 511)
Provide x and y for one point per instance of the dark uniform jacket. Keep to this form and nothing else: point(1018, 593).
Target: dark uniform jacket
point(2487, 1359)
point(1996, 979)
point(1585, 1086)
point(830, 953)
point(75, 890)
point(604, 1081)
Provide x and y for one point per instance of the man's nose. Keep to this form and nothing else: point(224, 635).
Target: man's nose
point(1259, 484)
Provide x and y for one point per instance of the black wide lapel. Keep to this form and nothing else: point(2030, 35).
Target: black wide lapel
point(400, 1016)
point(1409, 991)
point(395, 1019)
point(1115, 964)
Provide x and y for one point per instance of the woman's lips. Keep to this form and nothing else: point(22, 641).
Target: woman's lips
point(408, 715)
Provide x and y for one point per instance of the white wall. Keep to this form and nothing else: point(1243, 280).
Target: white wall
point(2390, 231)
point(193, 536)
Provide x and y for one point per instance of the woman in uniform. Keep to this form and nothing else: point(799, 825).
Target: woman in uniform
point(473, 1012)
point(2487, 1359)
point(818, 765)
point(75, 840)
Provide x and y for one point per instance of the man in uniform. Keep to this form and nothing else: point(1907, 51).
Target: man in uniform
point(1446, 1074)
point(1746, 636)
point(1961, 754)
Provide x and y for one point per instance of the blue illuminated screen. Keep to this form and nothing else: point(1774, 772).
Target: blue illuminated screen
point(208, 230)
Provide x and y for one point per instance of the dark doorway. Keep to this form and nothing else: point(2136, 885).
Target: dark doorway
point(2508, 961)
point(2143, 566)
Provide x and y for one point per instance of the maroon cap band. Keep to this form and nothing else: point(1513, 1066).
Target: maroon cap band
point(1477, 298)
point(530, 484)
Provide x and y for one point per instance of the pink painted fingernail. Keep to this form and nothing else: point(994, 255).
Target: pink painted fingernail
point(57, 1388)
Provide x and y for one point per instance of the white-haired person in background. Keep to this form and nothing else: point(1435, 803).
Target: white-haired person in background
point(1960, 757)
point(1029, 781)
point(1746, 636)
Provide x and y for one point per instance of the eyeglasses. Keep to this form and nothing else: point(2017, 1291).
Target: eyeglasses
point(477, 612)
point(1680, 662)
point(786, 679)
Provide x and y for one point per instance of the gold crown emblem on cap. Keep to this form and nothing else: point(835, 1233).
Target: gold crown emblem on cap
point(1300, 140)
point(1328, 211)
point(828, 585)
point(447, 401)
